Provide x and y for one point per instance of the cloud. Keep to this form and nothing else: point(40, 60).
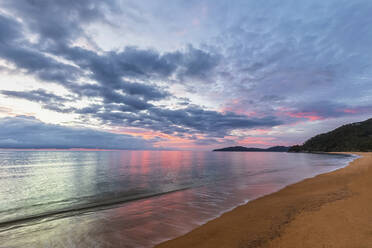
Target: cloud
point(123, 84)
point(121, 99)
point(322, 110)
point(15, 48)
point(60, 21)
point(46, 99)
point(107, 69)
point(28, 132)
point(142, 65)
point(9, 29)
point(39, 95)
point(189, 120)
point(295, 55)
point(195, 64)
point(264, 63)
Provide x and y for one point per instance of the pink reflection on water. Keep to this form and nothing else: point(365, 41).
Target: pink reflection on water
point(144, 158)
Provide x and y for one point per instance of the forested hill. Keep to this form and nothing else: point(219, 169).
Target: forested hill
point(351, 137)
point(253, 149)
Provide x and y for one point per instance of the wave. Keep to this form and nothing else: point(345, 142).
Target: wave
point(78, 209)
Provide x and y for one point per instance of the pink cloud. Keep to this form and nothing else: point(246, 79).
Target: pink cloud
point(236, 107)
point(310, 115)
point(350, 111)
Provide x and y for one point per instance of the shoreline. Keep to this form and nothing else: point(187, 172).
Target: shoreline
point(299, 215)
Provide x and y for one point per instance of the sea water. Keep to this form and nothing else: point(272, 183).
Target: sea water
point(134, 198)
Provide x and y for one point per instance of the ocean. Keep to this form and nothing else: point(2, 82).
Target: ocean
point(134, 198)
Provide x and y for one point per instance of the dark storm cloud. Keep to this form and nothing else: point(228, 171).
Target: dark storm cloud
point(28, 132)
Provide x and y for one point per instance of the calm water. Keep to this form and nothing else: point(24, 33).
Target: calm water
point(134, 198)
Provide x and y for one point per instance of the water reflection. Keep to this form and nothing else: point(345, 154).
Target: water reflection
point(36, 183)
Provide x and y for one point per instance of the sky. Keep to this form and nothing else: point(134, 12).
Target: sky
point(188, 75)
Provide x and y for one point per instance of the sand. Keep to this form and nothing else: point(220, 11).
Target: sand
point(332, 210)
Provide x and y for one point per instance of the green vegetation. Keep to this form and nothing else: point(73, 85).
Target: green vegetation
point(352, 137)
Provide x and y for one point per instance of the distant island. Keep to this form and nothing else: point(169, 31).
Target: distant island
point(252, 149)
point(354, 137)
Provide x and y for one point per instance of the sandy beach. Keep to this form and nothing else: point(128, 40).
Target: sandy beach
point(329, 210)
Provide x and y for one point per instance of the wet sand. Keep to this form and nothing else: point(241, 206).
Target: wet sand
point(331, 210)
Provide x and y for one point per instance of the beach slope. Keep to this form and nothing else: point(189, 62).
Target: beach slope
point(329, 210)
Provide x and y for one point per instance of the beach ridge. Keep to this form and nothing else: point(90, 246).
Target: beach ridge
point(315, 212)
